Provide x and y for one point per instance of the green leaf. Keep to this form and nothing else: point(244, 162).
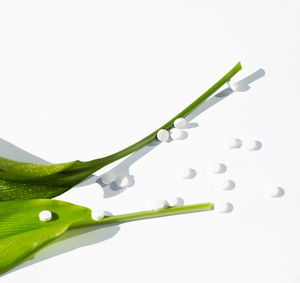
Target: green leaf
point(19, 180)
point(22, 232)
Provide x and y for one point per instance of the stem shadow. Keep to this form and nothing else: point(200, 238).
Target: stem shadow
point(123, 168)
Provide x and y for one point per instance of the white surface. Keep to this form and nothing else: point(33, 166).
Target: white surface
point(75, 74)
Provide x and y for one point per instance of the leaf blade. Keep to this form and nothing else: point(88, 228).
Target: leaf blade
point(22, 233)
point(16, 185)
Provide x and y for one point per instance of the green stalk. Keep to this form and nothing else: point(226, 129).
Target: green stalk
point(122, 218)
point(167, 126)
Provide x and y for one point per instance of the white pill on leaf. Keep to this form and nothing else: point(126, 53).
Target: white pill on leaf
point(163, 135)
point(223, 207)
point(188, 173)
point(159, 204)
point(234, 143)
point(180, 123)
point(97, 214)
point(176, 134)
point(107, 178)
point(122, 182)
point(45, 215)
point(274, 192)
point(175, 201)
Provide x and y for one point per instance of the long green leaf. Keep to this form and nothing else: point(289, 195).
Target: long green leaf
point(19, 180)
point(22, 233)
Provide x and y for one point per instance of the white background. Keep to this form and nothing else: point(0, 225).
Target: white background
point(82, 79)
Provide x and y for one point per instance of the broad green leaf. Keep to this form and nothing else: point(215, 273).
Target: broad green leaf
point(22, 232)
point(19, 180)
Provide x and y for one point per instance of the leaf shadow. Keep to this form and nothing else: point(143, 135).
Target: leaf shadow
point(69, 241)
point(122, 169)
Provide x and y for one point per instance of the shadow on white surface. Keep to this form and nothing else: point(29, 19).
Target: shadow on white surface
point(70, 241)
point(8, 150)
point(11, 151)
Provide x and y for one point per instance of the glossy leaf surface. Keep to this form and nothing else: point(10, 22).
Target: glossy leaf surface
point(19, 180)
point(22, 232)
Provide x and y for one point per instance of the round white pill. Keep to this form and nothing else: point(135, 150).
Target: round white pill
point(162, 135)
point(188, 173)
point(232, 85)
point(122, 182)
point(274, 192)
point(176, 134)
point(224, 184)
point(180, 123)
point(234, 143)
point(159, 204)
point(45, 215)
point(97, 214)
point(252, 145)
point(107, 178)
point(223, 207)
point(175, 201)
point(217, 168)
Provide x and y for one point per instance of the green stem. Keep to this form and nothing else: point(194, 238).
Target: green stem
point(145, 141)
point(122, 218)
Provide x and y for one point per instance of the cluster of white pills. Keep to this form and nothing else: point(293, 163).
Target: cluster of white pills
point(250, 145)
point(175, 133)
point(121, 181)
point(158, 203)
